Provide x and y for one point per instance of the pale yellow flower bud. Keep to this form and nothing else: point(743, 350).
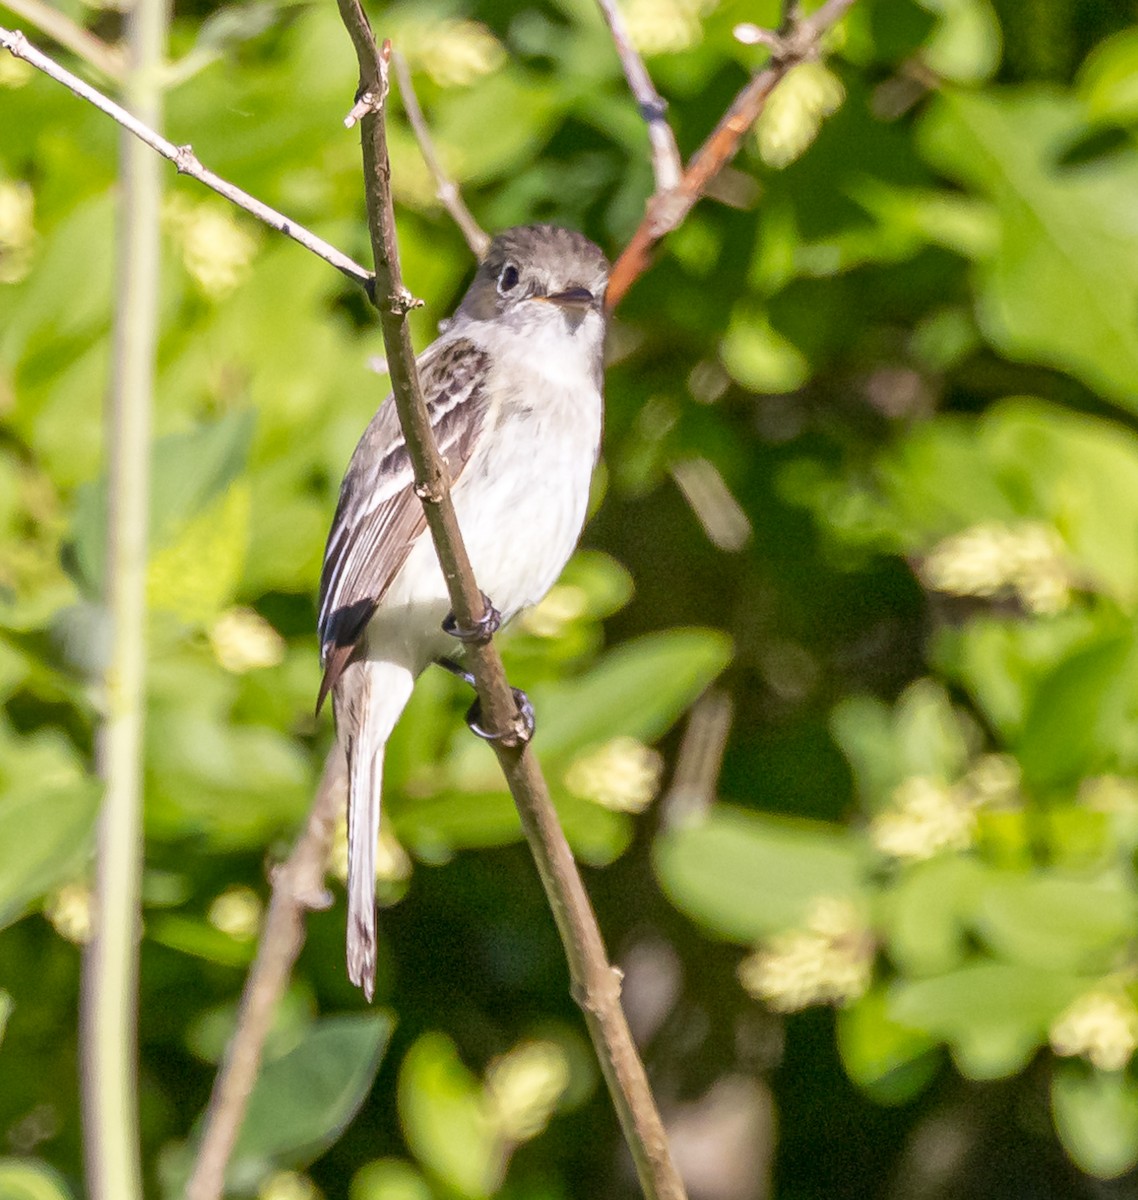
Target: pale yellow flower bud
point(622, 774)
point(524, 1086)
point(1100, 1026)
point(236, 912)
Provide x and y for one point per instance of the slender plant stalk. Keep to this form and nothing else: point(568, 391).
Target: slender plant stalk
point(109, 1034)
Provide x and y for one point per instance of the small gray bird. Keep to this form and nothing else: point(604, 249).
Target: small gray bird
point(514, 391)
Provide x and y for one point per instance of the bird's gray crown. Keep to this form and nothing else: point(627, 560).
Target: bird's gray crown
point(537, 262)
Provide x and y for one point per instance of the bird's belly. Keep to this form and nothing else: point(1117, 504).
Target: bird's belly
point(521, 504)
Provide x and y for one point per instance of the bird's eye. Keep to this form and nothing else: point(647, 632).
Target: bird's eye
point(508, 279)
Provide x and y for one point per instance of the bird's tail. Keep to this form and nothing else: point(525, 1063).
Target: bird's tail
point(368, 698)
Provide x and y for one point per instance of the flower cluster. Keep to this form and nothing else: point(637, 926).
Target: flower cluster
point(1026, 560)
point(828, 961)
point(1100, 1026)
point(622, 774)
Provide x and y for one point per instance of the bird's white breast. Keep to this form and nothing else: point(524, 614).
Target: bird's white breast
point(522, 499)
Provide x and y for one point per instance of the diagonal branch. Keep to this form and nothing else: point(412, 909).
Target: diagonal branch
point(596, 985)
point(183, 158)
point(667, 165)
point(445, 188)
point(298, 888)
point(800, 43)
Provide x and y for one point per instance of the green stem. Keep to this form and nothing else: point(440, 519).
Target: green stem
point(110, 969)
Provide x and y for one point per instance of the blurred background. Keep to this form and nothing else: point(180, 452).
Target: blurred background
point(839, 700)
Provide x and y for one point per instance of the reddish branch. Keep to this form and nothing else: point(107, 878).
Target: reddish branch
point(668, 209)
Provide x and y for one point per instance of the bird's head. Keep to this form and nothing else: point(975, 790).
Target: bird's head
point(533, 274)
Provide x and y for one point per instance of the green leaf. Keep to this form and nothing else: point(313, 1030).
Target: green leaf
point(389, 1179)
point(1047, 920)
point(30, 1179)
point(1096, 1117)
point(744, 875)
point(47, 814)
point(993, 1015)
point(188, 472)
point(1081, 715)
point(303, 1100)
point(1063, 286)
point(5, 1012)
point(890, 1063)
point(637, 690)
point(445, 1120)
point(928, 912)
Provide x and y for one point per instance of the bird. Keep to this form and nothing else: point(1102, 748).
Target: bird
point(514, 389)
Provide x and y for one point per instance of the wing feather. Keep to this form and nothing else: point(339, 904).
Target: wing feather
point(379, 516)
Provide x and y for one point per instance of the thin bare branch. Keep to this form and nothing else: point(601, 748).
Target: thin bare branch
point(799, 44)
point(445, 188)
point(696, 777)
point(298, 888)
point(667, 165)
point(183, 158)
point(596, 985)
point(106, 59)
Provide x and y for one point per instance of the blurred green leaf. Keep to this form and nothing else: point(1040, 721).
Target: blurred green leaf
point(445, 1120)
point(744, 875)
point(47, 814)
point(929, 911)
point(303, 1100)
point(889, 1062)
point(1061, 289)
point(1065, 924)
point(1096, 1116)
point(637, 690)
point(30, 1179)
point(188, 472)
point(993, 1015)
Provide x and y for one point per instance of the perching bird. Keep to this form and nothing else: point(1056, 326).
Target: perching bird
point(514, 391)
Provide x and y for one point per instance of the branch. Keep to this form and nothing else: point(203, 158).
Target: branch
point(183, 158)
point(596, 985)
point(445, 187)
point(298, 887)
point(109, 993)
point(667, 165)
point(108, 60)
point(798, 45)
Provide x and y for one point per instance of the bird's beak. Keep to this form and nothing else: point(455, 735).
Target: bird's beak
point(577, 297)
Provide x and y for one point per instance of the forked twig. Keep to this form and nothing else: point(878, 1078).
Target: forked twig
point(799, 44)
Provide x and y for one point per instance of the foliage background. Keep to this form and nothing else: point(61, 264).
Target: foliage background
point(871, 464)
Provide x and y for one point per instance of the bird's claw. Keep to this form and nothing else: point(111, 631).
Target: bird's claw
point(523, 727)
point(481, 631)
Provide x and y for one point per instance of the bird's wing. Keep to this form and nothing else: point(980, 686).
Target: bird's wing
point(379, 516)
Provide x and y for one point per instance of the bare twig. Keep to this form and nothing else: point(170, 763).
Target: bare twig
point(696, 777)
point(183, 158)
point(298, 888)
point(667, 165)
point(106, 59)
point(798, 45)
point(445, 188)
point(109, 999)
point(596, 985)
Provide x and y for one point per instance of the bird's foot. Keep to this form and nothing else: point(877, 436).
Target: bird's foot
point(482, 629)
point(523, 727)
point(518, 735)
